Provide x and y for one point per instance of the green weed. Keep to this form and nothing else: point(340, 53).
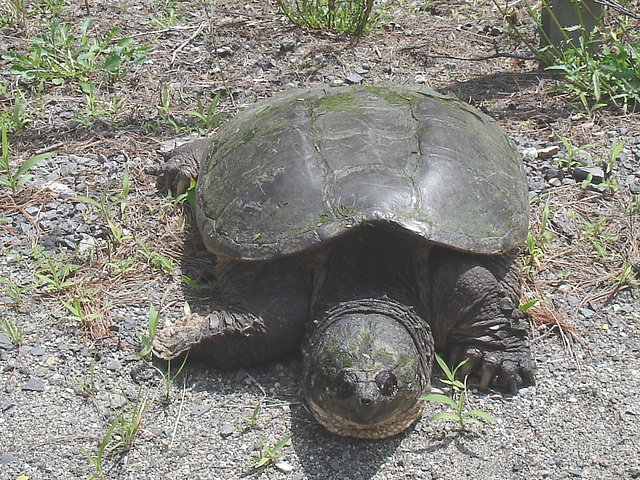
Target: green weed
point(123, 266)
point(79, 308)
point(568, 162)
point(536, 245)
point(267, 454)
point(165, 15)
point(48, 8)
point(11, 329)
point(352, 17)
point(207, 119)
point(189, 196)
point(88, 386)
point(168, 376)
point(127, 428)
point(60, 54)
point(626, 277)
point(596, 233)
point(119, 436)
point(13, 119)
point(156, 259)
point(147, 341)
point(17, 13)
point(102, 447)
point(14, 290)
point(253, 420)
point(116, 232)
point(457, 399)
point(54, 273)
point(96, 108)
point(598, 69)
point(634, 207)
point(16, 178)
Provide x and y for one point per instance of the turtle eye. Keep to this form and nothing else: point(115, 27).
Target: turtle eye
point(346, 383)
point(387, 383)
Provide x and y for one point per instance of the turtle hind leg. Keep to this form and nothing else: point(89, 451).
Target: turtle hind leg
point(266, 305)
point(475, 316)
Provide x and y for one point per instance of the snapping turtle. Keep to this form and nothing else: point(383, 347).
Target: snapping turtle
point(367, 225)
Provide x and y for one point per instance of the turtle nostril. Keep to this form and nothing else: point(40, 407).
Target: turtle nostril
point(366, 401)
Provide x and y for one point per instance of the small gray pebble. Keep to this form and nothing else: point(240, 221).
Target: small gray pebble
point(354, 78)
point(34, 384)
point(113, 365)
point(226, 430)
point(335, 466)
point(5, 404)
point(586, 312)
point(37, 351)
point(200, 409)
point(582, 173)
point(5, 342)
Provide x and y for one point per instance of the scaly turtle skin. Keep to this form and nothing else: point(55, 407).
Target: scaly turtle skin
point(366, 226)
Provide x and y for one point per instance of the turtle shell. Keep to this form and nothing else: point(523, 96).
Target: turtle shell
point(304, 166)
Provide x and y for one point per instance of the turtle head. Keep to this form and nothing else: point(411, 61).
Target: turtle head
point(364, 371)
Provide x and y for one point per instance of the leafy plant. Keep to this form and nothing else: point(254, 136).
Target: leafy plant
point(165, 16)
point(127, 428)
point(49, 8)
point(60, 54)
point(598, 236)
point(253, 420)
point(159, 261)
point(355, 17)
point(147, 341)
point(569, 161)
point(267, 454)
point(634, 207)
point(207, 119)
point(97, 108)
point(15, 179)
point(123, 266)
point(78, 309)
point(88, 386)
point(14, 290)
point(597, 69)
point(97, 460)
point(54, 273)
point(169, 376)
point(626, 278)
point(531, 303)
point(13, 119)
point(536, 244)
point(189, 196)
point(116, 232)
point(457, 399)
point(17, 13)
point(12, 330)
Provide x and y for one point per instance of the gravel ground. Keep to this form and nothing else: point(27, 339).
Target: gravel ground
point(72, 376)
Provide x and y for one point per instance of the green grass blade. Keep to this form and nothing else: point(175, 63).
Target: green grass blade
point(439, 398)
point(445, 416)
point(478, 413)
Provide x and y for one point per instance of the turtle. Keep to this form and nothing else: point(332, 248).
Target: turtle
point(366, 227)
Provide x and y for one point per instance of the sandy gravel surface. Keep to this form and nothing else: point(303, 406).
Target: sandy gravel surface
point(70, 378)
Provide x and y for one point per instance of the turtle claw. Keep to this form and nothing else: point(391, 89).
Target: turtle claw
point(504, 370)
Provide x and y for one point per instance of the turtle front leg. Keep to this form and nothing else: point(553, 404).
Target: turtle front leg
point(182, 165)
point(475, 316)
point(263, 310)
